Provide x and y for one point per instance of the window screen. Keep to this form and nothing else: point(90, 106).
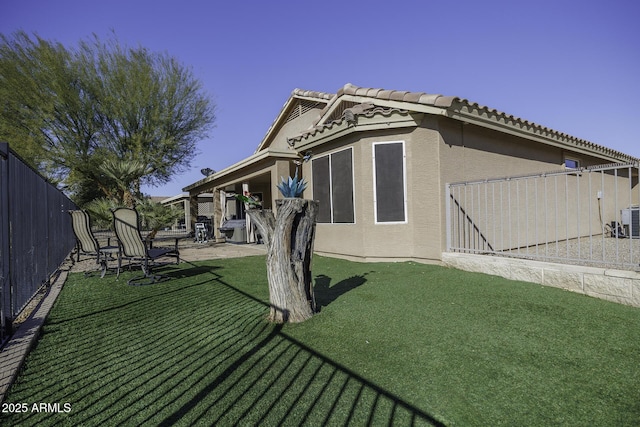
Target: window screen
point(389, 184)
point(342, 186)
point(321, 187)
point(333, 187)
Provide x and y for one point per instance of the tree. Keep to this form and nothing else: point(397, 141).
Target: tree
point(289, 239)
point(68, 111)
point(119, 178)
point(154, 216)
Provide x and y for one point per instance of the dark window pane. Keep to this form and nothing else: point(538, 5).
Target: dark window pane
point(320, 176)
point(342, 186)
point(389, 182)
point(571, 164)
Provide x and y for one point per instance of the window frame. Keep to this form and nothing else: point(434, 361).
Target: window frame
point(404, 183)
point(330, 173)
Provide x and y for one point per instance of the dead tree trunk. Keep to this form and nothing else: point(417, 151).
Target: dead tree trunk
point(289, 238)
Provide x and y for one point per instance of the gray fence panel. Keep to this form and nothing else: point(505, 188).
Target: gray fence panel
point(5, 292)
point(36, 236)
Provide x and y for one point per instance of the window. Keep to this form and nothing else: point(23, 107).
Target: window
point(389, 182)
point(333, 186)
point(571, 163)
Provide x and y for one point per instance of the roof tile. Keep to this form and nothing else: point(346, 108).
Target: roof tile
point(312, 94)
point(362, 91)
point(413, 96)
point(384, 94)
point(397, 95)
point(444, 101)
point(427, 98)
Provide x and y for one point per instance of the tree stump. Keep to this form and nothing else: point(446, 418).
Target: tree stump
point(289, 238)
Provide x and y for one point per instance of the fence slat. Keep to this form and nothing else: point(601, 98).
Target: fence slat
point(515, 220)
point(35, 230)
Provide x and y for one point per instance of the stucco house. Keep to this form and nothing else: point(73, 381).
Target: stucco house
point(379, 163)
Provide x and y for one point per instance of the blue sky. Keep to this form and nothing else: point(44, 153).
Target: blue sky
point(568, 65)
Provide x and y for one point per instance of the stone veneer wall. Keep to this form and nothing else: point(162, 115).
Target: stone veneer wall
point(613, 285)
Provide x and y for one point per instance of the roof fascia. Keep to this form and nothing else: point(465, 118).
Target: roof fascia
point(182, 197)
point(177, 197)
point(246, 162)
point(276, 123)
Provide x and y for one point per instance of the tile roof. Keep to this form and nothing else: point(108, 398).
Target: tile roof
point(313, 94)
point(398, 95)
point(453, 106)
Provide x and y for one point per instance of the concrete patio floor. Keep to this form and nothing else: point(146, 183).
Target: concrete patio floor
point(191, 251)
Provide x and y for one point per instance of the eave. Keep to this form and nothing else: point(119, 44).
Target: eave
point(255, 158)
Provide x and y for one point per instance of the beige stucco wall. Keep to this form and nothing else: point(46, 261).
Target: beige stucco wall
point(439, 151)
point(416, 239)
point(293, 127)
point(524, 212)
point(470, 152)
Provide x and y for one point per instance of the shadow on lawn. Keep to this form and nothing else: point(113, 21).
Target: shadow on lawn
point(326, 294)
point(217, 362)
point(281, 381)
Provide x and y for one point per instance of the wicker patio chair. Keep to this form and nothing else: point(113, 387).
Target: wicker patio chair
point(126, 225)
point(87, 244)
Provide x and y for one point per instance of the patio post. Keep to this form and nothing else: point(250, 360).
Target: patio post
point(193, 212)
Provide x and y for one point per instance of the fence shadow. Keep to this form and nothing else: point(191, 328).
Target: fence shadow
point(281, 381)
point(217, 362)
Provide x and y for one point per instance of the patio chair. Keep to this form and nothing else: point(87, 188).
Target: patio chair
point(86, 242)
point(126, 225)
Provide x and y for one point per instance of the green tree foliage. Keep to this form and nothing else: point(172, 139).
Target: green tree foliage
point(100, 211)
point(153, 215)
point(77, 114)
point(118, 179)
point(156, 216)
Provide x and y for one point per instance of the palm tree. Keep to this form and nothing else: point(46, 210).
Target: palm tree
point(122, 180)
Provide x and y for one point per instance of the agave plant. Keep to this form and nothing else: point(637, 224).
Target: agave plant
point(293, 187)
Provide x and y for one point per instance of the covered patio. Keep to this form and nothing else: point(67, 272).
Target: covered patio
point(255, 176)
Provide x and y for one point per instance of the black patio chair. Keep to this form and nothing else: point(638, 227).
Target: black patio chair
point(87, 244)
point(126, 226)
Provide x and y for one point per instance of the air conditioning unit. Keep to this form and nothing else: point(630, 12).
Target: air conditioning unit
point(630, 219)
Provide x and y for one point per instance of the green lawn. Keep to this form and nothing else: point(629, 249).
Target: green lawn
point(401, 344)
